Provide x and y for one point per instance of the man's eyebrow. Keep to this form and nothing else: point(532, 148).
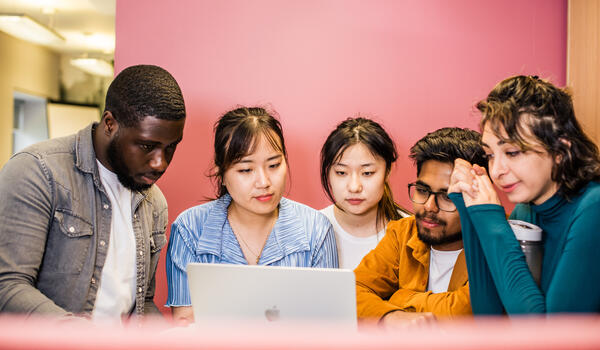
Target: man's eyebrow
point(147, 141)
point(421, 183)
point(176, 142)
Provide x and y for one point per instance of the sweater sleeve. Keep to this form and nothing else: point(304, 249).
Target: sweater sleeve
point(484, 296)
point(506, 262)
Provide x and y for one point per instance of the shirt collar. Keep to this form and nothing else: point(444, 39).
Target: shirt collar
point(288, 235)
point(85, 156)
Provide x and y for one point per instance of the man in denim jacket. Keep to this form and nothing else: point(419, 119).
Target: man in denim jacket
point(81, 223)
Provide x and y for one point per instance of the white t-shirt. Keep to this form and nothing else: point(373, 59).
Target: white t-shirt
point(351, 249)
point(116, 293)
point(441, 265)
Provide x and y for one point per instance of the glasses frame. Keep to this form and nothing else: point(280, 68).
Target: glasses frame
point(435, 196)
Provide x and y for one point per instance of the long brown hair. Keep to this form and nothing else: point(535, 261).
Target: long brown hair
point(525, 105)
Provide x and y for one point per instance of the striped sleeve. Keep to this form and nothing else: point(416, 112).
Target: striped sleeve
point(326, 254)
point(179, 254)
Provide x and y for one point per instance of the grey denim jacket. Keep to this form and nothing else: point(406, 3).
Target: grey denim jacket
point(55, 220)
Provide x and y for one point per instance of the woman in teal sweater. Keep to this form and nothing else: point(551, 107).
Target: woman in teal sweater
point(541, 159)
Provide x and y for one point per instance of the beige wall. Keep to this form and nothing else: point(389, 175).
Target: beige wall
point(27, 68)
point(583, 63)
point(65, 119)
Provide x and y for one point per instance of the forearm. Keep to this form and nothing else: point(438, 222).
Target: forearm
point(505, 261)
point(26, 215)
point(22, 298)
point(483, 295)
point(369, 305)
point(448, 304)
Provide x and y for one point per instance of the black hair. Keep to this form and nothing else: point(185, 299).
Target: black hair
point(141, 91)
point(236, 135)
point(446, 145)
point(369, 133)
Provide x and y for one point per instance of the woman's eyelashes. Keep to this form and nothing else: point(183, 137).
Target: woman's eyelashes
point(249, 170)
point(508, 153)
point(366, 173)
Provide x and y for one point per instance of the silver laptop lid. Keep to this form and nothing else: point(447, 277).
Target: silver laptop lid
point(223, 292)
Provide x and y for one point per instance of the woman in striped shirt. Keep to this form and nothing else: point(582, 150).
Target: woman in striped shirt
point(250, 222)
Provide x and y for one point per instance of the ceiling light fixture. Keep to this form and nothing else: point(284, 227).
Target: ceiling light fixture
point(94, 66)
point(26, 28)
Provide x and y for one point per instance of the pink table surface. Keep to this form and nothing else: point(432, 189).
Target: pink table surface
point(564, 332)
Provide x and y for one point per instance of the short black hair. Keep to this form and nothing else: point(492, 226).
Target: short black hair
point(448, 144)
point(141, 91)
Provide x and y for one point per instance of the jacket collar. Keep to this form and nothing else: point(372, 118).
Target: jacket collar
point(85, 156)
point(85, 161)
point(420, 250)
point(288, 235)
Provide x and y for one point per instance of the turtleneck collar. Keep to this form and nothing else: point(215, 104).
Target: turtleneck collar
point(552, 207)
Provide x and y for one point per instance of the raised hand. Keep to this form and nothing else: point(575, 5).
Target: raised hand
point(462, 179)
point(486, 193)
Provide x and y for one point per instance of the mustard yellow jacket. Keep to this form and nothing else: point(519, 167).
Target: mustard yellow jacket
point(394, 276)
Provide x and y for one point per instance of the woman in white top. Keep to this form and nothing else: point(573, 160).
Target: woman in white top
point(356, 160)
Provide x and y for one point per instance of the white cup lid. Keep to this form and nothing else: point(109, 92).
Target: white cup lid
point(526, 231)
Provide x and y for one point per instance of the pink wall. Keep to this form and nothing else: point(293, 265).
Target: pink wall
point(414, 66)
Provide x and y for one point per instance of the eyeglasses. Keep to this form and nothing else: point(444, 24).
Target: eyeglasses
point(420, 194)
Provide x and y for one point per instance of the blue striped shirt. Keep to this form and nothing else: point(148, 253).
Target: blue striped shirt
point(301, 237)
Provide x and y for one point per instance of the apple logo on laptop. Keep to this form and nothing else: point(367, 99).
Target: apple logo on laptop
point(272, 314)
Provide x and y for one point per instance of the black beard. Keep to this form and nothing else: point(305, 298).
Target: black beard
point(425, 236)
point(115, 159)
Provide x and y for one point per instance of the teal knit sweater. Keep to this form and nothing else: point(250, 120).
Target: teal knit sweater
point(499, 279)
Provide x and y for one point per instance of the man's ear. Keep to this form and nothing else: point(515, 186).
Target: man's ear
point(109, 124)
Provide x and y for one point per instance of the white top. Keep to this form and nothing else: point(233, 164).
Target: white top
point(351, 249)
point(441, 265)
point(116, 294)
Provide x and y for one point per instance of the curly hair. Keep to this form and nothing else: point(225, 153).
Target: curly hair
point(141, 91)
point(523, 106)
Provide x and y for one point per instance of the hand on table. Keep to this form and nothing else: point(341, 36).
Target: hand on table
point(402, 319)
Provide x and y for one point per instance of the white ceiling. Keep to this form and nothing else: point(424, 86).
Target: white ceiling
point(88, 26)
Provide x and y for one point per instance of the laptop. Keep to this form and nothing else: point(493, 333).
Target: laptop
point(272, 294)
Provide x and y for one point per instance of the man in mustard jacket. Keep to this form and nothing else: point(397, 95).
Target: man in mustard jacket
point(418, 270)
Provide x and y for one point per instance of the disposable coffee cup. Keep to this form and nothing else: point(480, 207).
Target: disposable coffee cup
point(530, 240)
